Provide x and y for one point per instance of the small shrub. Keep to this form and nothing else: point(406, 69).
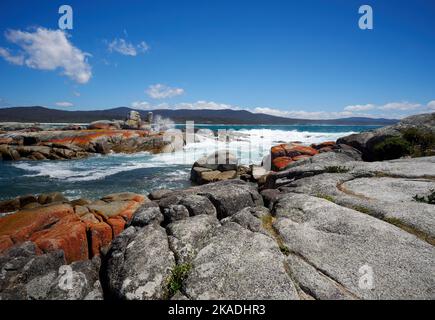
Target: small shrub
point(326, 197)
point(361, 209)
point(430, 199)
point(336, 169)
point(391, 148)
point(422, 141)
point(178, 275)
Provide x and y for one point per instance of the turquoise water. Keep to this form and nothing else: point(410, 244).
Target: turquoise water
point(143, 172)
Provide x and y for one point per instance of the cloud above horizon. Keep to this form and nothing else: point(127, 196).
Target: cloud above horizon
point(126, 48)
point(64, 104)
point(45, 49)
point(161, 91)
point(348, 111)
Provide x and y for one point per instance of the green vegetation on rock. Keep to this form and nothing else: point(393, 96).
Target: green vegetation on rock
point(178, 275)
point(413, 142)
point(336, 169)
point(430, 199)
point(391, 148)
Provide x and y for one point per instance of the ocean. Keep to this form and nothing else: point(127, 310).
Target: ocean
point(100, 175)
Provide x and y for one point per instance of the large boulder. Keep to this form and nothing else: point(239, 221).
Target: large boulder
point(139, 264)
point(334, 249)
point(28, 276)
point(414, 135)
point(239, 264)
point(218, 166)
point(188, 236)
point(229, 197)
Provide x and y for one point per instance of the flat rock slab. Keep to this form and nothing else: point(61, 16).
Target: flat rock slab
point(389, 189)
point(365, 257)
point(239, 264)
point(390, 199)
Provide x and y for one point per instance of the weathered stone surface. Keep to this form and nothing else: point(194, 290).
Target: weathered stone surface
point(382, 189)
point(338, 242)
point(250, 218)
point(219, 166)
point(187, 236)
point(47, 198)
point(145, 216)
point(239, 264)
point(25, 275)
point(115, 208)
point(159, 194)
point(139, 263)
point(175, 212)
point(231, 196)
point(314, 283)
point(197, 205)
point(125, 196)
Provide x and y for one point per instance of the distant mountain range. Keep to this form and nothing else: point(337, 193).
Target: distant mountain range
point(205, 116)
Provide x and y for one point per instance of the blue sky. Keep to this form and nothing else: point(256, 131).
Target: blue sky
point(305, 59)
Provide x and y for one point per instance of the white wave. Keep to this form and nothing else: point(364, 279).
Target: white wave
point(249, 145)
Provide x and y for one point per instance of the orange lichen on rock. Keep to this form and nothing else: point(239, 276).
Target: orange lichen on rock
point(305, 150)
point(21, 225)
point(68, 235)
point(100, 235)
point(117, 224)
point(301, 157)
point(281, 163)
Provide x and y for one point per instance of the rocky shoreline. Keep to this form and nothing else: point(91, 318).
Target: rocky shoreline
point(323, 226)
point(77, 142)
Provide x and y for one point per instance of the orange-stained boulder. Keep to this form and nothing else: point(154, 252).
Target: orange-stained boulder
point(278, 151)
point(117, 224)
point(305, 150)
point(5, 243)
point(281, 163)
point(22, 225)
point(124, 209)
point(125, 196)
point(69, 235)
point(100, 236)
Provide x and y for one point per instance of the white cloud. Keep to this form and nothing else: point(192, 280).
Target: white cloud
point(300, 114)
point(355, 111)
point(431, 105)
point(209, 105)
point(141, 105)
point(5, 54)
point(400, 106)
point(45, 49)
point(360, 107)
point(64, 104)
point(126, 48)
point(161, 91)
